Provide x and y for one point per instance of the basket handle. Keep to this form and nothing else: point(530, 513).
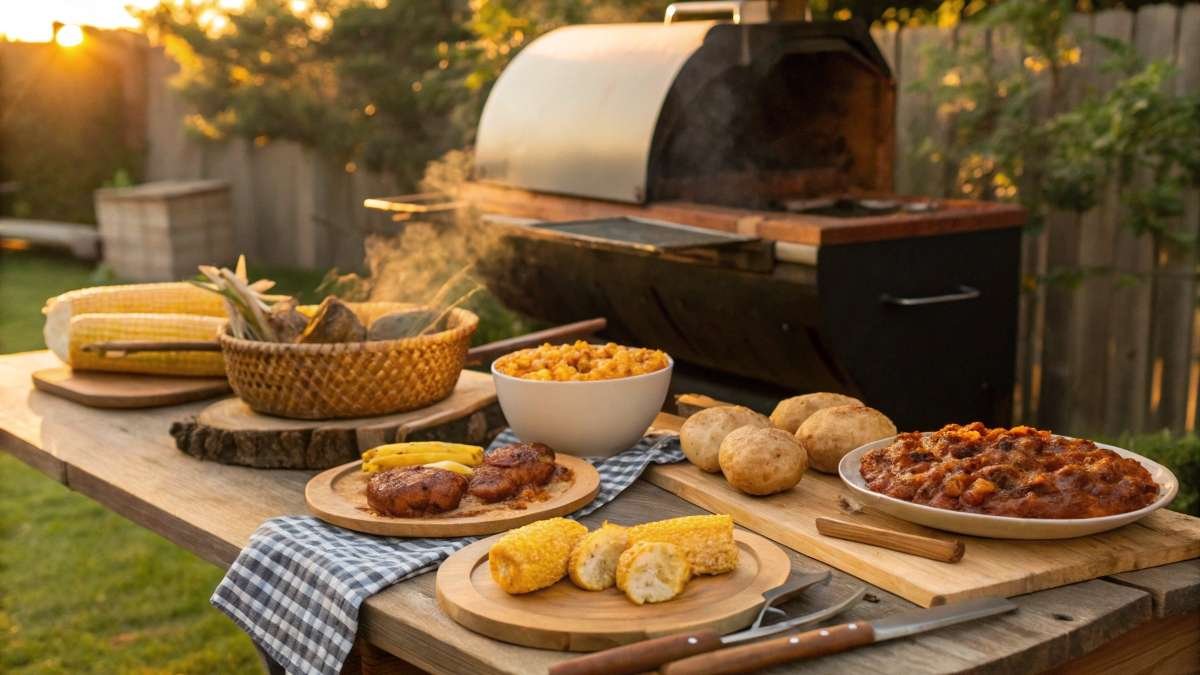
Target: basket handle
point(481, 354)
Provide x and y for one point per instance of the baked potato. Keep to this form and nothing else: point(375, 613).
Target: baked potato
point(829, 433)
point(790, 413)
point(702, 433)
point(762, 461)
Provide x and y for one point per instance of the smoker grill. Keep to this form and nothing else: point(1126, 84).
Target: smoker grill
point(599, 141)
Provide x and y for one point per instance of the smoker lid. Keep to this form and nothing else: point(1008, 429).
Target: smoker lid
point(577, 110)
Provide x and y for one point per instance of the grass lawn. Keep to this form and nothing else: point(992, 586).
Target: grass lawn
point(81, 589)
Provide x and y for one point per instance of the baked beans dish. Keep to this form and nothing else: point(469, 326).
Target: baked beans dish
point(581, 361)
point(1020, 472)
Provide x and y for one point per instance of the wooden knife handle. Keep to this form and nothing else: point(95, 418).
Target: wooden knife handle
point(640, 657)
point(944, 550)
point(753, 657)
point(758, 655)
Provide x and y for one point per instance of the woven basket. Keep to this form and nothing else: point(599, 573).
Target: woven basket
point(350, 379)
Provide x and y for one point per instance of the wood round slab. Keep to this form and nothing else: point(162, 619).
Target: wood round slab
point(230, 432)
point(565, 617)
point(339, 496)
point(126, 390)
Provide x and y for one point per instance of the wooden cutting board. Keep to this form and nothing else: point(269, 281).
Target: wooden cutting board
point(565, 617)
point(990, 566)
point(124, 390)
point(338, 496)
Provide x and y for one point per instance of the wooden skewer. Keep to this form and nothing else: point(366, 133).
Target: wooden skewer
point(944, 550)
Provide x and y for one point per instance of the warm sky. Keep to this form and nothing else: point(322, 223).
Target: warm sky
point(32, 20)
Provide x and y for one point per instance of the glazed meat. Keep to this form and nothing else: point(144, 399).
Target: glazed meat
point(508, 470)
point(1020, 472)
point(415, 491)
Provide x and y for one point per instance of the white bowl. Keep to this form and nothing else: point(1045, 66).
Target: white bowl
point(1003, 527)
point(591, 418)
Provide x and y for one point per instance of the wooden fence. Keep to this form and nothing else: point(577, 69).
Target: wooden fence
point(290, 205)
point(1104, 357)
point(1108, 355)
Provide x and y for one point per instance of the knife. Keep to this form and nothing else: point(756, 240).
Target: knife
point(822, 641)
point(640, 657)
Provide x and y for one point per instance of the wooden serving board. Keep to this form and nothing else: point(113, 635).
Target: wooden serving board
point(565, 617)
point(990, 567)
point(126, 390)
point(338, 496)
point(228, 431)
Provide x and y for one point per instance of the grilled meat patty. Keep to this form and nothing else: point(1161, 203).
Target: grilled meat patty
point(415, 491)
point(508, 470)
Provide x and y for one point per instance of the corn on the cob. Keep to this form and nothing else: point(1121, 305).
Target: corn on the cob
point(652, 571)
point(707, 541)
point(414, 447)
point(594, 561)
point(456, 467)
point(534, 556)
point(416, 459)
point(165, 298)
point(91, 328)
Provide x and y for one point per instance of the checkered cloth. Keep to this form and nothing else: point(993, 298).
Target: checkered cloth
point(297, 586)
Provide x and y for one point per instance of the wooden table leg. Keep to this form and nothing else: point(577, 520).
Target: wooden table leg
point(376, 661)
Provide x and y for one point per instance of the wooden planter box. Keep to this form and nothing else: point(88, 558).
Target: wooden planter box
point(163, 230)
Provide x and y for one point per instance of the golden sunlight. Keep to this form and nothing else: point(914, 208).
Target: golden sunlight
point(69, 35)
point(33, 20)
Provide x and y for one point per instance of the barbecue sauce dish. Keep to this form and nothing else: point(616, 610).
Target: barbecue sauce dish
point(1020, 472)
point(509, 470)
point(415, 492)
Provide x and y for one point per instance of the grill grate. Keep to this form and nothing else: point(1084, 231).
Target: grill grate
point(652, 235)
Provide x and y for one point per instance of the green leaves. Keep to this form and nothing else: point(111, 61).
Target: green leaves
point(1015, 139)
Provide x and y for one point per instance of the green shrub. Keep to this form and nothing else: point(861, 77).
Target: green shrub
point(1181, 454)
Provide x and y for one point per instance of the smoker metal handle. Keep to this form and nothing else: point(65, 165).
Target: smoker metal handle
point(740, 11)
point(964, 293)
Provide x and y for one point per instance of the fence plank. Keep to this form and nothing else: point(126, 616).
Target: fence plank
point(1064, 325)
point(1174, 282)
point(916, 116)
point(887, 40)
point(1187, 58)
point(1129, 386)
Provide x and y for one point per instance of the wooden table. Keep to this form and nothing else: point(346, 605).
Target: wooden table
point(125, 460)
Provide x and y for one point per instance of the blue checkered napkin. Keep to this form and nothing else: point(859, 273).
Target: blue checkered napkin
point(297, 586)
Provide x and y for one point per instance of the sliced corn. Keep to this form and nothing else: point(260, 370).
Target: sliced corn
point(456, 467)
point(415, 459)
point(424, 446)
point(164, 298)
point(707, 541)
point(534, 556)
point(87, 329)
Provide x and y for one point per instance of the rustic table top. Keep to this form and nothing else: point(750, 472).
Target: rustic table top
point(127, 461)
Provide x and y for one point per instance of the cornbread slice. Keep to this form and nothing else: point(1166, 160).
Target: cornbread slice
point(534, 556)
point(706, 541)
point(652, 571)
point(594, 561)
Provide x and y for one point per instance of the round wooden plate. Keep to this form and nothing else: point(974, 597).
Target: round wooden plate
point(339, 496)
point(565, 617)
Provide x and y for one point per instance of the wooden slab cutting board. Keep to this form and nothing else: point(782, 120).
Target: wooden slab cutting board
point(568, 618)
point(126, 390)
point(989, 567)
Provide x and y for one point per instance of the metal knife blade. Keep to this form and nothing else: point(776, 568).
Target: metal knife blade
point(921, 620)
point(750, 658)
